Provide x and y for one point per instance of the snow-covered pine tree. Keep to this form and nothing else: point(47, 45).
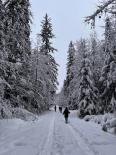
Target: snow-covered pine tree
point(108, 35)
point(70, 59)
point(62, 99)
point(108, 74)
point(3, 55)
point(17, 25)
point(76, 70)
point(87, 100)
point(46, 35)
point(18, 48)
point(39, 78)
point(2, 32)
point(47, 50)
point(68, 84)
point(93, 49)
point(97, 56)
point(4, 105)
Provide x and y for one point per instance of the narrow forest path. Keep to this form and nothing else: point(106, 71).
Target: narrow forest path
point(51, 136)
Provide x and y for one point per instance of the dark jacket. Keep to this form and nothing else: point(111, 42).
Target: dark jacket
point(66, 112)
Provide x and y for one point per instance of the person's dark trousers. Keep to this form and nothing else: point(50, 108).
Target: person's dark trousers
point(66, 119)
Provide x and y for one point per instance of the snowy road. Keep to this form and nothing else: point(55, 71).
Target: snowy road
point(51, 136)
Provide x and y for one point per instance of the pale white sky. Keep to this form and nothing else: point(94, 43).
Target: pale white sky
point(67, 18)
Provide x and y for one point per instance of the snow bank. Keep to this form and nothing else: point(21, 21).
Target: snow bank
point(5, 110)
point(8, 112)
point(110, 126)
point(113, 122)
point(23, 114)
point(88, 118)
point(74, 113)
point(107, 121)
point(10, 124)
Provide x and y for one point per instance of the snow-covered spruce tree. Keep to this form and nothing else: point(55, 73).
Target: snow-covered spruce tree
point(108, 74)
point(70, 59)
point(62, 99)
point(2, 51)
point(87, 100)
point(39, 79)
point(68, 84)
point(97, 55)
point(18, 48)
point(93, 49)
point(4, 106)
point(46, 35)
point(2, 46)
point(2, 32)
point(108, 84)
point(17, 25)
point(47, 51)
point(76, 70)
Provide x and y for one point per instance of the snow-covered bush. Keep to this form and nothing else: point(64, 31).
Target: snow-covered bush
point(97, 119)
point(23, 114)
point(78, 113)
point(88, 94)
point(110, 125)
point(88, 117)
point(106, 117)
point(104, 128)
point(113, 122)
point(74, 113)
point(5, 110)
point(107, 121)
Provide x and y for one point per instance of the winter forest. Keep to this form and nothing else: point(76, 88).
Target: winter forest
point(91, 76)
point(29, 84)
point(28, 77)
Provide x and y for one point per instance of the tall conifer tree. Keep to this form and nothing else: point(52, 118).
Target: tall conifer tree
point(108, 74)
point(18, 48)
point(68, 84)
point(87, 100)
point(47, 50)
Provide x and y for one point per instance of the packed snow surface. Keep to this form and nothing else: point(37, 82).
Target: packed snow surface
point(49, 135)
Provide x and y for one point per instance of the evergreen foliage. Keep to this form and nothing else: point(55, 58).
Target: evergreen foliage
point(108, 74)
point(46, 35)
point(87, 92)
point(47, 50)
point(28, 78)
point(68, 85)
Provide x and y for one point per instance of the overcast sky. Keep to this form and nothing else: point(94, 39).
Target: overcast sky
point(67, 19)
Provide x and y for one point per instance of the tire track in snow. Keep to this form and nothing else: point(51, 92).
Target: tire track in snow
point(64, 141)
point(48, 144)
point(81, 142)
point(13, 139)
point(86, 140)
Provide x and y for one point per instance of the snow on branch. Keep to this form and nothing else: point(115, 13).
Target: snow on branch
point(99, 10)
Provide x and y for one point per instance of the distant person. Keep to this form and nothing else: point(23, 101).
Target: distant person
point(60, 109)
point(66, 114)
point(55, 108)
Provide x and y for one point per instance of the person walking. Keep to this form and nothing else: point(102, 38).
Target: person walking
point(60, 109)
point(66, 114)
point(55, 108)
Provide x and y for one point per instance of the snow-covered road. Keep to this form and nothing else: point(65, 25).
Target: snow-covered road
point(51, 136)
